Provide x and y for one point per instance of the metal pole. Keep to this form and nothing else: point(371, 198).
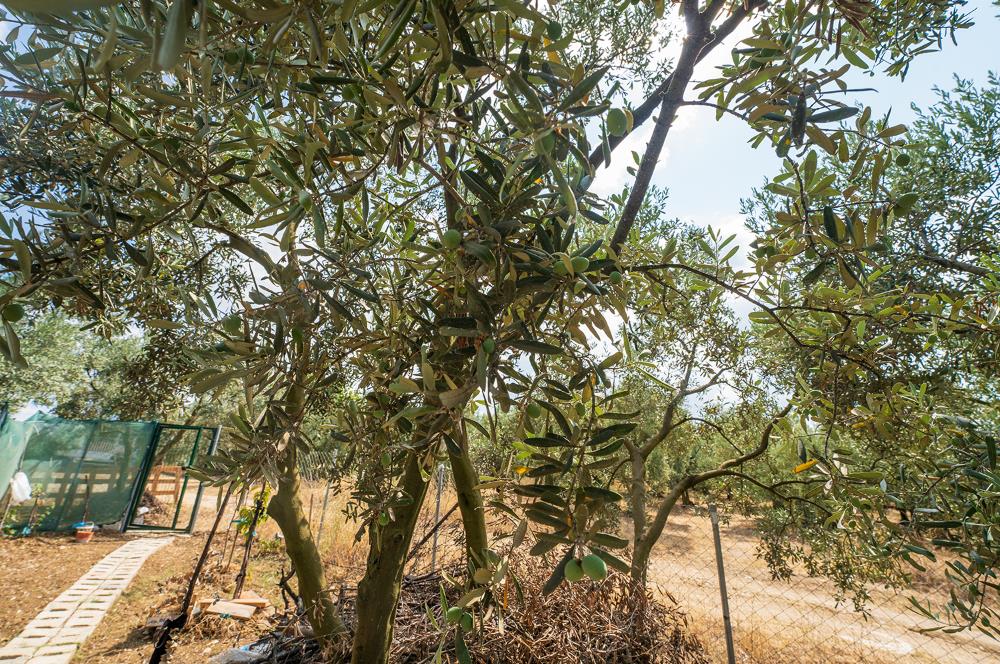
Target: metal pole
point(437, 513)
point(330, 470)
point(727, 623)
point(322, 513)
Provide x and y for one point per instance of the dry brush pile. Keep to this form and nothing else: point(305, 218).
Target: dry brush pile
point(612, 621)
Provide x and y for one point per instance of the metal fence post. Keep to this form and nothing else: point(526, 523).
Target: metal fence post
point(437, 514)
point(727, 623)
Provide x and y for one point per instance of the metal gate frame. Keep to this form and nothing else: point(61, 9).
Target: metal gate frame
point(146, 468)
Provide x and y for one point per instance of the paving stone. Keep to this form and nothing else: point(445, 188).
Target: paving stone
point(62, 649)
point(10, 653)
point(51, 659)
point(53, 636)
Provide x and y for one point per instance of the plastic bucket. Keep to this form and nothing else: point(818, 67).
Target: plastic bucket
point(84, 532)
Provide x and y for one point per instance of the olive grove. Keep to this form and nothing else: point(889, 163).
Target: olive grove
point(392, 201)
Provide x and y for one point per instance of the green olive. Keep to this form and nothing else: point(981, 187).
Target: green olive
point(594, 567)
point(453, 615)
point(13, 313)
point(580, 264)
point(451, 238)
point(573, 571)
point(489, 345)
point(534, 410)
point(617, 122)
point(615, 277)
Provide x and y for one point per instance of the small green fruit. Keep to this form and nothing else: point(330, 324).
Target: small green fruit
point(560, 269)
point(903, 160)
point(232, 325)
point(581, 410)
point(580, 263)
point(573, 571)
point(451, 238)
point(383, 519)
point(465, 622)
point(534, 410)
point(594, 567)
point(617, 122)
point(489, 345)
point(453, 615)
point(615, 277)
point(13, 313)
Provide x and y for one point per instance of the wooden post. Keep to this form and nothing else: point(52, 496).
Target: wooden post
point(727, 623)
point(257, 513)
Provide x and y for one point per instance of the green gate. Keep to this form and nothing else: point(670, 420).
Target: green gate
point(164, 486)
point(99, 470)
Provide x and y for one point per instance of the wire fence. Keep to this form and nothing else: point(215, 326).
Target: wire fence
point(798, 620)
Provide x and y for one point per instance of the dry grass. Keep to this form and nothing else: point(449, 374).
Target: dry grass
point(774, 622)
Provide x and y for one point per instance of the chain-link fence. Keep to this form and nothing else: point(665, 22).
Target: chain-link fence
point(792, 621)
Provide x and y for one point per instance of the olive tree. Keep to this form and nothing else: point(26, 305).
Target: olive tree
point(406, 185)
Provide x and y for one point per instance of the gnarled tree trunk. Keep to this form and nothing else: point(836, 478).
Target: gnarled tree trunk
point(285, 508)
point(470, 501)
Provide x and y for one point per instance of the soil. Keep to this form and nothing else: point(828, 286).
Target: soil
point(795, 622)
point(122, 638)
point(35, 570)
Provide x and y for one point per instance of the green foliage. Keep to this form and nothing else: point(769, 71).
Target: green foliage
point(393, 199)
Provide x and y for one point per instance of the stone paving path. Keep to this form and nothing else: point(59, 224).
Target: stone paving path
point(55, 634)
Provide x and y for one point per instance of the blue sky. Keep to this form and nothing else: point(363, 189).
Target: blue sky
point(708, 166)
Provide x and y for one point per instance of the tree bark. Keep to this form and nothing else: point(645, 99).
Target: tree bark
point(470, 502)
point(285, 508)
point(637, 503)
point(644, 546)
point(378, 592)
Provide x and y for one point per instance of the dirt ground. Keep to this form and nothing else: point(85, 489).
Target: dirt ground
point(35, 570)
point(794, 622)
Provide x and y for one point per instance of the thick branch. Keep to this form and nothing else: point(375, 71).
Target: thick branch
point(697, 29)
point(765, 440)
point(955, 265)
point(645, 110)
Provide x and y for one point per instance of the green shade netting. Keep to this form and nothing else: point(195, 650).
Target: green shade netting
point(11, 449)
point(62, 458)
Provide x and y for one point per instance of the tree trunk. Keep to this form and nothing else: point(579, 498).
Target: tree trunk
point(378, 591)
point(644, 545)
point(286, 510)
point(637, 505)
point(470, 502)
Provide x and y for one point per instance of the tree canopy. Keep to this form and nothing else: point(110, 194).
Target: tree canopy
point(393, 199)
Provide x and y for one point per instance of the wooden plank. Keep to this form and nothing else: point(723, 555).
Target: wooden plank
point(232, 610)
point(250, 598)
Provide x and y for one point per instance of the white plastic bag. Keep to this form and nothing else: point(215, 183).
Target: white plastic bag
point(20, 488)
